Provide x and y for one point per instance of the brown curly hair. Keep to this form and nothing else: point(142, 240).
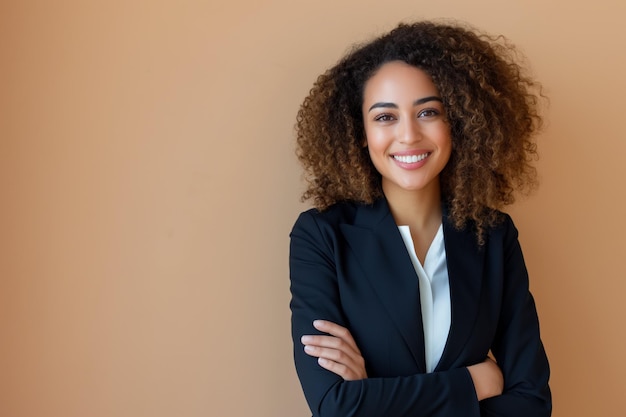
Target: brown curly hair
point(491, 104)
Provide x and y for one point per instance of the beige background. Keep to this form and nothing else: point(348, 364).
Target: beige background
point(148, 187)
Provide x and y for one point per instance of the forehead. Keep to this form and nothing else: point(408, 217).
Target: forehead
point(396, 80)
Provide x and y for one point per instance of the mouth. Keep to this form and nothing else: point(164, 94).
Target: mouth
point(411, 159)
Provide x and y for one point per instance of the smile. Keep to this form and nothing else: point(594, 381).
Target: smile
point(411, 159)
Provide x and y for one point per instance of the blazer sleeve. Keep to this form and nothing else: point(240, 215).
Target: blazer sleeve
point(315, 295)
point(517, 345)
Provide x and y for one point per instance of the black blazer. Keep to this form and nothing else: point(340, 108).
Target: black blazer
point(349, 265)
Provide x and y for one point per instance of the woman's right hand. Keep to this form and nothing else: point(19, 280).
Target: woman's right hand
point(487, 378)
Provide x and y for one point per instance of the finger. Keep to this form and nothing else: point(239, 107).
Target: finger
point(336, 330)
point(330, 342)
point(340, 369)
point(350, 360)
point(355, 363)
point(332, 328)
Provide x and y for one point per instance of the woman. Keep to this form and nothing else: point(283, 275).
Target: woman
point(406, 275)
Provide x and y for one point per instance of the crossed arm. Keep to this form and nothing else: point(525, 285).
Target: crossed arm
point(338, 353)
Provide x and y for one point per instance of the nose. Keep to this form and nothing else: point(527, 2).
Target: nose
point(409, 131)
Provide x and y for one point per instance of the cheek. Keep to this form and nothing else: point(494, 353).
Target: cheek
point(447, 152)
point(376, 148)
point(375, 140)
point(445, 141)
point(375, 153)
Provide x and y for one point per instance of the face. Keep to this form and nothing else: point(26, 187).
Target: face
point(407, 132)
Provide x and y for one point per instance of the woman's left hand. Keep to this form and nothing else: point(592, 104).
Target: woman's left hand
point(338, 352)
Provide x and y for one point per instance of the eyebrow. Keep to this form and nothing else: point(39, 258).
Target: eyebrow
point(415, 103)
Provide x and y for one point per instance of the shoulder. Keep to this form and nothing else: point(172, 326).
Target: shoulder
point(325, 228)
point(502, 237)
point(501, 223)
point(500, 233)
point(330, 218)
point(504, 228)
point(316, 234)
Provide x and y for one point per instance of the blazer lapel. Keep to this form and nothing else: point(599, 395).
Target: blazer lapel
point(465, 260)
point(377, 244)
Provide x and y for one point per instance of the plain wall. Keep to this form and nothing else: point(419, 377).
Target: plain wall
point(148, 186)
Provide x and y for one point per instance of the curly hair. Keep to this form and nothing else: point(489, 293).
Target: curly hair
point(491, 104)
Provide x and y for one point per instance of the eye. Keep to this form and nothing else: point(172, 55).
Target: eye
point(429, 113)
point(384, 117)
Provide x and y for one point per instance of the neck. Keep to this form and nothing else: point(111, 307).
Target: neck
point(420, 209)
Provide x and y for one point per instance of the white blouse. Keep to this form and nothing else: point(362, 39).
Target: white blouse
point(434, 288)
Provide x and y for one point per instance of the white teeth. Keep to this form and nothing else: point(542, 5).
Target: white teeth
point(410, 159)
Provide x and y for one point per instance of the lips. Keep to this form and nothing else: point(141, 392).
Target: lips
point(411, 159)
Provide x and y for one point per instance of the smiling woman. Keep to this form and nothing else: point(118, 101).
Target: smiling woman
point(407, 133)
point(407, 275)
